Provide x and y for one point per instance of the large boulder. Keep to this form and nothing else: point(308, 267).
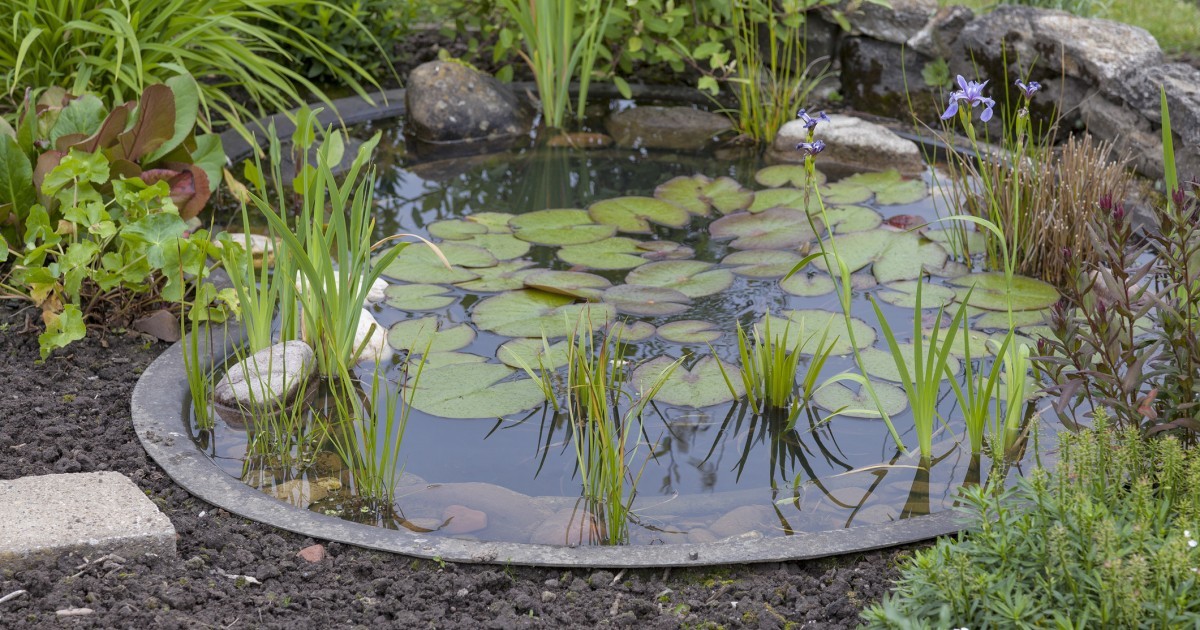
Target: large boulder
point(851, 142)
point(895, 23)
point(874, 80)
point(269, 377)
point(941, 31)
point(672, 128)
point(451, 102)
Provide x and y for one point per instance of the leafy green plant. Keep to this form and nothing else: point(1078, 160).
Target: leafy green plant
point(1106, 540)
point(769, 369)
point(365, 32)
point(978, 392)
point(117, 48)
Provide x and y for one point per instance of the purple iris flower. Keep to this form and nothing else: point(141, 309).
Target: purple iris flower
point(810, 123)
point(1029, 89)
point(811, 148)
point(970, 92)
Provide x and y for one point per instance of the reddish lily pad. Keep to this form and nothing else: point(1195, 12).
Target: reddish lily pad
point(693, 278)
point(776, 228)
point(666, 250)
point(634, 214)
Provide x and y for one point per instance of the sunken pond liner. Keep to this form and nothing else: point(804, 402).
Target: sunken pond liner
point(160, 404)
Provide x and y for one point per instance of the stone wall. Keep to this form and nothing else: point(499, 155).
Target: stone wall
point(1103, 76)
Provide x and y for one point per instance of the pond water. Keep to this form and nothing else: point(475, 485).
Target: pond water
point(714, 244)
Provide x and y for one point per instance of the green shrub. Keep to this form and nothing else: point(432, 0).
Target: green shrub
point(1107, 540)
point(363, 31)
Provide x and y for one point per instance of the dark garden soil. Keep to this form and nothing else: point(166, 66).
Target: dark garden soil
point(71, 414)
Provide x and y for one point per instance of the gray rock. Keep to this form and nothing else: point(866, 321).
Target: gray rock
point(1182, 84)
point(1130, 133)
point(268, 377)
point(674, 128)
point(450, 102)
point(874, 80)
point(941, 31)
point(377, 349)
point(895, 24)
point(852, 142)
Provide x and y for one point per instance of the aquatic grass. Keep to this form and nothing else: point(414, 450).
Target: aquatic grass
point(259, 292)
point(284, 439)
point(978, 391)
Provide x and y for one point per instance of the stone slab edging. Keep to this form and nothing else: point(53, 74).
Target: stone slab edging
point(158, 406)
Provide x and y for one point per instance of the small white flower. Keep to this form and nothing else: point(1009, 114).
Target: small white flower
point(1187, 534)
point(1192, 543)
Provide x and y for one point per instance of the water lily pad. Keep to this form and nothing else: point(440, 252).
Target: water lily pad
point(502, 246)
point(904, 293)
point(999, 319)
point(888, 187)
point(975, 241)
point(419, 264)
point(762, 263)
point(617, 252)
point(417, 335)
point(474, 390)
point(442, 359)
point(637, 299)
point(563, 226)
point(992, 292)
point(532, 354)
point(629, 331)
point(692, 278)
point(786, 174)
point(495, 222)
point(690, 331)
point(576, 284)
point(776, 228)
point(701, 386)
point(878, 362)
point(666, 250)
point(859, 403)
point(841, 192)
point(530, 313)
point(697, 194)
point(781, 198)
point(634, 214)
point(853, 219)
point(807, 325)
point(974, 340)
point(505, 276)
point(805, 284)
point(895, 255)
point(455, 229)
point(418, 297)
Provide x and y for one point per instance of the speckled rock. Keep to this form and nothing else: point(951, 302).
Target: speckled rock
point(673, 128)
point(268, 377)
point(895, 23)
point(852, 142)
point(450, 102)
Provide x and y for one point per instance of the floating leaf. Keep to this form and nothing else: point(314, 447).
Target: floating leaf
point(698, 193)
point(531, 354)
point(631, 331)
point(442, 359)
point(975, 340)
point(564, 226)
point(888, 187)
point(843, 192)
point(505, 276)
point(950, 237)
point(634, 214)
point(690, 331)
point(853, 219)
point(637, 299)
point(419, 264)
point(495, 222)
point(992, 292)
point(896, 255)
point(692, 278)
point(805, 284)
point(474, 390)
point(880, 363)
point(455, 229)
point(1020, 319)
point(530, 313)
point(701, 386)
point(762, 263)
point(611, 253)
point(785, 174)
point(780, 198)
point(904, 293)
point(502, 246)
point(860, 404)
point(807, 325)
point(576, 284)
point(418, 297)
point(776, 228)
point(415, 335)
point(666, 250)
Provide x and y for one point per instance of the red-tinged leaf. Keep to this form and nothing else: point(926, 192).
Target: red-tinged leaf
point(45, 163)
point(905, 221)
point(190, 188)
point(155, 125)
point(1146, 405)
point(125, 169)
point(108, 132)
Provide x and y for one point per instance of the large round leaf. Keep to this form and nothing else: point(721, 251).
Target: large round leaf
point(629, 331)
point(611, 253)
point(1020, 319)
point(474, 390)
point(853, 219)
point(992, 292)
point(701, 386)
point(531, 313)
point(690, 331)
point(502, 246)
point(532, 354)
point(428, 334)
point(666, 250)
point(781, 198)
point(636, 299)
point(456, 229)
point(888, 187)
point(634, 214)
point(879, 362)
point(442, 359)
point(904, 294)
point(806, 284)
point(762, 263)
point(805, 327)
point(895, 255)
point(859, 403)
point(505, 276)
point(698, 193)
point(786, 174)
point(563, 226)
point(420, 264)
point(692, 278)
point(495, 222)
point(776, 228)
point(576, 284)
point(418, 297)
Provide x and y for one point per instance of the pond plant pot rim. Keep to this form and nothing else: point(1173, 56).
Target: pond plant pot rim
point(158, 406)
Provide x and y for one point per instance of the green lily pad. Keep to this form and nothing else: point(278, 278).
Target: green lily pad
point(634, 214)
point(762, 263)
point(776, 228)
point(701, 386)
point(976, 341)
point(474, 390)
point(975, 241)
point(806, 284)
point(629, 331)
point(1021, 319)
point(495, 222)
point(853, 219)
point(690, 331)
point(576, 284)
point(992, 293)
point(889, 188)
point(692, 278)
point(617, 252)
point(781, 198)
point(879, 363)
point(416, 335)
point(904, 293)
point(786, 174)
point(442, 359)
point(455, 229)
point(807, 325)
point(697, 194)
point(530, 313)
point(842, 192)
point(666, 250)
point(637, 299)
point(502, 246)
point(418, 297)
point(531, 353)
point(505, 276)
point(419, 264)
point(895, 256)
point(563, 226)
point(860, 404)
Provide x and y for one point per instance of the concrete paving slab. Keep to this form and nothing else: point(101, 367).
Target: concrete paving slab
point(88, 513)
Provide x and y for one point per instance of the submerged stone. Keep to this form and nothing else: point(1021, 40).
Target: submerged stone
point(268, 377)
point(675, 128)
